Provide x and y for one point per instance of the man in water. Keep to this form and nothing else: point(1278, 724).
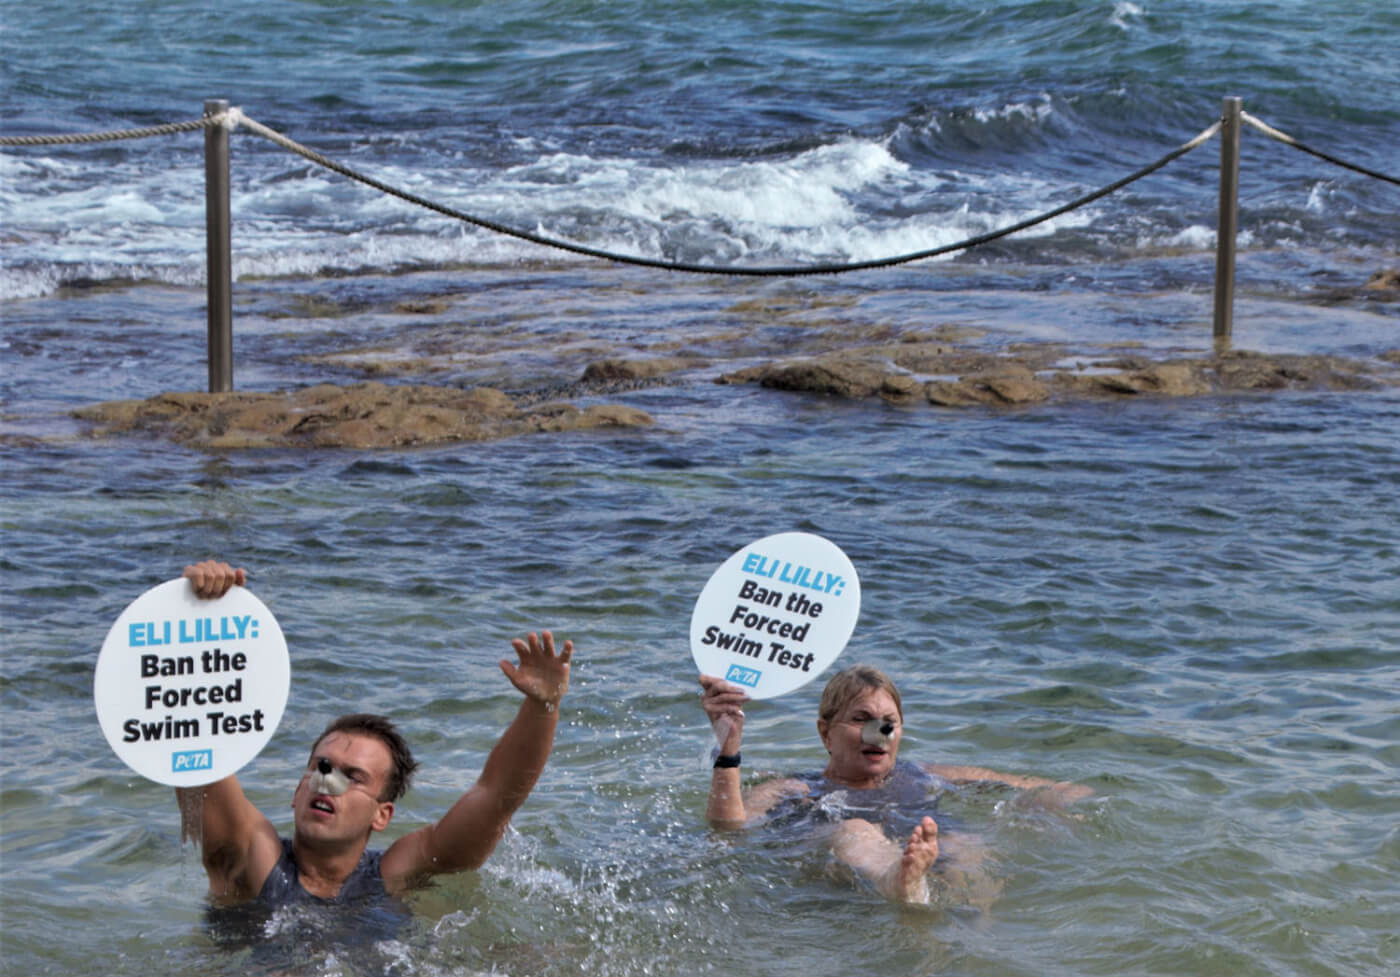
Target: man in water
point(358, 768)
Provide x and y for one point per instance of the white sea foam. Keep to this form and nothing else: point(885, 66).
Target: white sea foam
point(782, 194)
point(1036, 111)
point(1124, 11)
point(807, 190)
point(1317, 197)
point(1197, 237)
point(28, 283)
point(831, 203)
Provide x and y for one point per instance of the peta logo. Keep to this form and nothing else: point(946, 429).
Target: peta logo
point(187, 760)
point(744, 676)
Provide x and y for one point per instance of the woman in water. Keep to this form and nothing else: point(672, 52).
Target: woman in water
point(860, 721)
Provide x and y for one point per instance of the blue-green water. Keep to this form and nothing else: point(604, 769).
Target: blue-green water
point(1190, 605)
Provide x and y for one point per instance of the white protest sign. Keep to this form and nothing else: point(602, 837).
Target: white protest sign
point(776, 614)
point(190, 690)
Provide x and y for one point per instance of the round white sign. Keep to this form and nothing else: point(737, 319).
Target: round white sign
point(190, 690)
point(776, 614)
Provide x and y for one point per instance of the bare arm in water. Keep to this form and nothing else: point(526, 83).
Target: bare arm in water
point(470, 830)
point(729, 806)
point(1051, 794)
point(239, 846)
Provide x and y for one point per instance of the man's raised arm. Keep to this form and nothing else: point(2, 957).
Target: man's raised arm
point(238, 844)
point(468, 833)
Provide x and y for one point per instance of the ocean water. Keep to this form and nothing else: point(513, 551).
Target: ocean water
point(1189, 605)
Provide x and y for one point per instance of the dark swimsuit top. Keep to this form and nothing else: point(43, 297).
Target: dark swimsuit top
point(286, 919)
point(897, 805)
point(283, 884)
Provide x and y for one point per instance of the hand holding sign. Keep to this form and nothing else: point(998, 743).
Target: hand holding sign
point(776, 614)
point(188, 691)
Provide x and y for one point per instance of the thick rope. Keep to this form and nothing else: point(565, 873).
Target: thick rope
point(234, 117)
point(1288, 140)
point(780, 271)
point(84, 137)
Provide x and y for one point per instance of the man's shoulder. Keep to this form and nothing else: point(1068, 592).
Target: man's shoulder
point(238, 873)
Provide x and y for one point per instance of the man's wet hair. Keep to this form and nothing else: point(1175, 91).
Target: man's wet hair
point(382, 729)
point(848, 684)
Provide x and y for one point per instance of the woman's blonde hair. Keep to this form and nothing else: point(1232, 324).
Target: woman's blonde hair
point(848, 684)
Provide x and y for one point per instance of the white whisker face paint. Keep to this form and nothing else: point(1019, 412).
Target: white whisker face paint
point(877, 732)
point(326, 779)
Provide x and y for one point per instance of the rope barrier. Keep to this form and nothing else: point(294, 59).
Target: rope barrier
point(235, 117)
point(86, 137)
point(1288, 140)
point(791, 271)
point(219, 116)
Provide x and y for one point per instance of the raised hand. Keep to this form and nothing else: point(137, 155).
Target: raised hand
point(724, 702)
point(541, 674)
point(212, 579)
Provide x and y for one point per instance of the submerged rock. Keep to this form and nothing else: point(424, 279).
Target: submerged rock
point(1387, 279)
point(365, 415)
point(837, 375)
point(960, 379)
point(1171, 379)
point(1007, 382)
point(372, 414)
point(615, 369)
point(1383, 286)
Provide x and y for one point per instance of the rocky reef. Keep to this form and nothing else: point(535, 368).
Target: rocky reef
point(451, 371)
point(363, 415)
point(947, 377)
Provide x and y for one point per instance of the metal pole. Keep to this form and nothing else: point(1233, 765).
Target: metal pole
point(219, 263)
point(1228, 224)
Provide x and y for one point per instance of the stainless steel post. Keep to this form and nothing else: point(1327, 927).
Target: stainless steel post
point(219, 261)
point(1228, 224)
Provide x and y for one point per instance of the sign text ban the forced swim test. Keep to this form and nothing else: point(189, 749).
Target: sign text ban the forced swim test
point(750, 618)
point(213, 662)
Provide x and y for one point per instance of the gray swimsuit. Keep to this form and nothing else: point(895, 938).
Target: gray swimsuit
point(897, 805)
point(283, 885)
point(285, 921)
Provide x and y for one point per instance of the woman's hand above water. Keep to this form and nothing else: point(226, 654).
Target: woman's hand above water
point(723, 703)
